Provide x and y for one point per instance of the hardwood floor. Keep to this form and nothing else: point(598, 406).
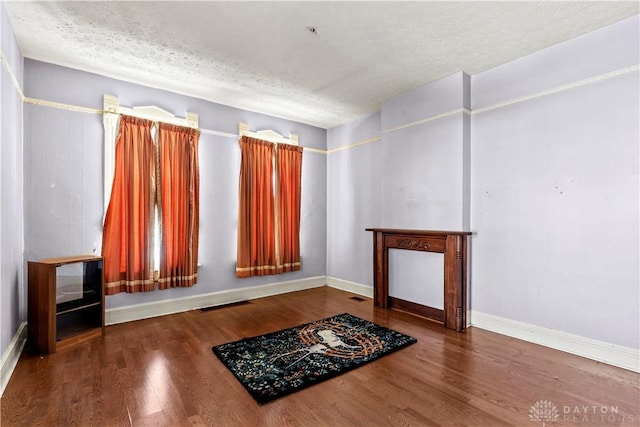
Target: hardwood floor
point(162, 371)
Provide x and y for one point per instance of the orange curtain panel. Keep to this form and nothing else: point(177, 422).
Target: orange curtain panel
point(256, 212)
point(289, 185)
point(269, 208)
point(178, 201)
point(127, 239)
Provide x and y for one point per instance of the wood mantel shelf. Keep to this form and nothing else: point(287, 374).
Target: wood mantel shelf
point(453, 244)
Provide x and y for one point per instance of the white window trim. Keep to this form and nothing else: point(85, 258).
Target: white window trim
point(267, 135)
point(111, 115)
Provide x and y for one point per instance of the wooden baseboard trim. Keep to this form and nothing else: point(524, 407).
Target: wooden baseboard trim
point(431, 313)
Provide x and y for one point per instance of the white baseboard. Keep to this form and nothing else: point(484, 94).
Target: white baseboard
point(177, 305)
point(611, 354)
point(11, 355)
point(353, 287)
point(601, 351)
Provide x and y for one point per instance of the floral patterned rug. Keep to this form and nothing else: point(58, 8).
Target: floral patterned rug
point(276, 364)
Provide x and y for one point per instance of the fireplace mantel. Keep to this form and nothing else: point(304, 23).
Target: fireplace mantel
point(453, 244)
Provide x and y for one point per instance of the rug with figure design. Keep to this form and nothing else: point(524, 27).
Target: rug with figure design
point(279, 363)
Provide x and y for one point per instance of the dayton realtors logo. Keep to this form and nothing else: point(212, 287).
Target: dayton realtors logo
point(543, 410)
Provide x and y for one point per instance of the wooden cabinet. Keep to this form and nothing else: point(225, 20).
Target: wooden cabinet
point(66, 301)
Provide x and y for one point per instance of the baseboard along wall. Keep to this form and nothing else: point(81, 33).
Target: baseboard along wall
point(353, 287)
point(611, 354)
point(11, 355)
point(601, 351)
point(177, 305)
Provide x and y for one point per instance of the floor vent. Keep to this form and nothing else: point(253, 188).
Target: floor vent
point(359, 299)
point(217, 307)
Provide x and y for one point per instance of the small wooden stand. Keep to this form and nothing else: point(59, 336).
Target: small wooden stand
point(453, 244)
point(52, 325)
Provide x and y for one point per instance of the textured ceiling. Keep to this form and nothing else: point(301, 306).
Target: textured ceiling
point(261, 56)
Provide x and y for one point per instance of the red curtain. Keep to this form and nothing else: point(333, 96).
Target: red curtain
point(269, 208)
point(289, 184)
point(256, 213)
point(178, 202)
point(127, 236)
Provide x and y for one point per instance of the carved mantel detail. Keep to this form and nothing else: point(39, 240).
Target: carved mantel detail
point(452, 244)
point(413, 244)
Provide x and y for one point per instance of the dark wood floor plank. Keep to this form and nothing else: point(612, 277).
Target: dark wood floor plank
point(161, 371)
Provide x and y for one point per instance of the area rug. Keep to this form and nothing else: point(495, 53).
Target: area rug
point(279, 363)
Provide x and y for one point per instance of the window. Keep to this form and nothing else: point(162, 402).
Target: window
point(269, 208)
point(153, 205)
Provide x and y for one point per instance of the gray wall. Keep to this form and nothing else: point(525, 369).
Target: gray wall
point(12, 284)
point(426, 179)
point(548, 186)
point(424, 169)
point(555, 189)
point(354, 199)
point(63, 177)
point(417, 175)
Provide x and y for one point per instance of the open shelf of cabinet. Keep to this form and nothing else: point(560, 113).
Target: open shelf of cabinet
point(66, 302)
